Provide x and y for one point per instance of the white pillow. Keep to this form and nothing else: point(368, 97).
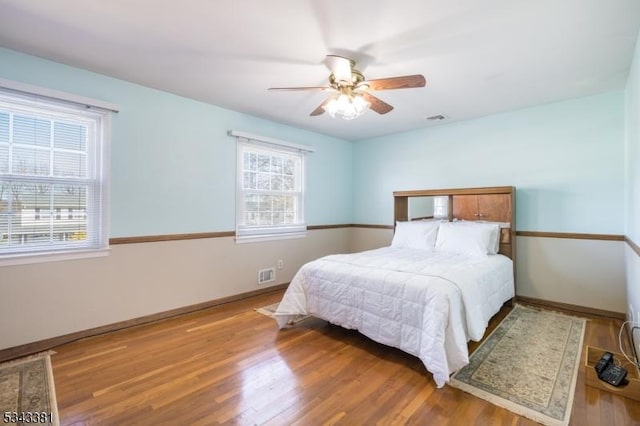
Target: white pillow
point(415, 234)
point(494, 243)
point(456, 237)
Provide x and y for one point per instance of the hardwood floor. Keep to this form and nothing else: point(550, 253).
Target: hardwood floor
point(231, 365)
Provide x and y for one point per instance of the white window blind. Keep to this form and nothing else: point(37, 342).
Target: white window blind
point(270, 190)
point(53, 183)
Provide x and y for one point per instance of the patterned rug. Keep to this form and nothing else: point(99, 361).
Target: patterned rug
point(269, 310)
point(27, 393)
point(528, 365)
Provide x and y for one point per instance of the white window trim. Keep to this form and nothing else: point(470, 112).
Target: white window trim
point(270, 237)
point(55, 95)
point(47, 256)
point(247, 235)
point(40, 95)
point(277, 143)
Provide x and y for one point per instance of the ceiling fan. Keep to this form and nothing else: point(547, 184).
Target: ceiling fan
point(352, 97)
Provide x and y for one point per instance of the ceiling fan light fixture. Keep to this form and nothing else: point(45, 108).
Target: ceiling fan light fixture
point(347, 106)
point(352, 98)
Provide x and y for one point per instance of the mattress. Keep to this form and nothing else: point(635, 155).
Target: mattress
point(426, 303)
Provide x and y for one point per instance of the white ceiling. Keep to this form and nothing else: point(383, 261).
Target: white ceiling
point(479, 57)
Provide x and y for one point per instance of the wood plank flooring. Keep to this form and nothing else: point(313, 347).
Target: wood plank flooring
point(231, 365)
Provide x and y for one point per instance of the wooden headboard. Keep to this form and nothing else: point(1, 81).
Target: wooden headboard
point(495, 203)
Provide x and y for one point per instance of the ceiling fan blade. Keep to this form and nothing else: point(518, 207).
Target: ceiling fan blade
point(404, 82)
point(320, 109)
point(340, 67)
point(378, 105)
point(291, 89)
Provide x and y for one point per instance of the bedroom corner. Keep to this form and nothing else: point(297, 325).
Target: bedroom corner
point(632, 191)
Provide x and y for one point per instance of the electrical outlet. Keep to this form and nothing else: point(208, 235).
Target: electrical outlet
point(632, 316)
point(280, 264)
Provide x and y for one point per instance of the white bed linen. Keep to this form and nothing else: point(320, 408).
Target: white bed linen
point(429, 304)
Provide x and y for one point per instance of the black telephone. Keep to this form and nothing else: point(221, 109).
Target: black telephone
point(608, 372)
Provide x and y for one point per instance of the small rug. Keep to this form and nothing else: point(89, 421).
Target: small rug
point(270, 310)
point(27, 393)
point(528, 365)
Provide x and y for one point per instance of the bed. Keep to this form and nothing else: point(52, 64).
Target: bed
point(434, 289)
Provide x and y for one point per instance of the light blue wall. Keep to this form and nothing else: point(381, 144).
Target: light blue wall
point(632, 184)
point(173, 165)
point(566, 160)
point(632, 148)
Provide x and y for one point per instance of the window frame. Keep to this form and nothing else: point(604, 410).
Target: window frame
point(245, 233)
point(52, 105)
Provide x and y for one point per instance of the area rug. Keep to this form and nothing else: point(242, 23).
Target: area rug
point(270, 310)
point(27, 393)
point(528, 365)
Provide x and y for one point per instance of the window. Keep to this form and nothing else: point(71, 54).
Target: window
point(270, 189)
point(441, 207)
point(52, 157)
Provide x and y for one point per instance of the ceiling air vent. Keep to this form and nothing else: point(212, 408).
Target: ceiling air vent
point(437, 117)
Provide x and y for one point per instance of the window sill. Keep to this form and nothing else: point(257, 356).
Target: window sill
point(25, 259)
point(270, 237)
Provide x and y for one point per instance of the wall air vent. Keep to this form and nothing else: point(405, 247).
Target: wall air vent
point(266, 275)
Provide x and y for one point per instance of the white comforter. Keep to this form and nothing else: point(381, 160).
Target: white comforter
point(429, 304)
